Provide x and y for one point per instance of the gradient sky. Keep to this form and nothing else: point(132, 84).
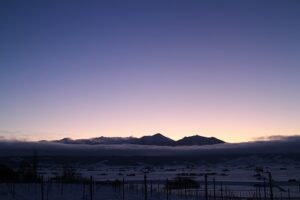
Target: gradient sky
point(229, 69)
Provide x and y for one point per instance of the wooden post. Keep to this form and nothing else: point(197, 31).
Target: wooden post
point(167, 189)
point(265, 189)
point(205, 179)
point(226, 195)
point(61, 187)
point(91, 187)
point(42, 188)
point(221, 191)
point(151, 188)
point(270, 185)
point(123, 192)
point(47, 188)
point(185, 192)
point(214, 184)
point(83, 191)
point(145, 186)
point(259, 192)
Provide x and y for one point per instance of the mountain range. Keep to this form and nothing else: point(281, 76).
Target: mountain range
point(156, 139)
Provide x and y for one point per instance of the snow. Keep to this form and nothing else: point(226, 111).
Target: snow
point(239, 180)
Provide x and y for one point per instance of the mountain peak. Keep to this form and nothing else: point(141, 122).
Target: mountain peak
point(156, 139)
point(159, 135)
point(199, 140)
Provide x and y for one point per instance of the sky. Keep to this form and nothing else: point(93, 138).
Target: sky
point(80, 69)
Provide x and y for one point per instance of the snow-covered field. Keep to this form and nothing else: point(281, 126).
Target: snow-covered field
point(133, 191)
point(230, 179)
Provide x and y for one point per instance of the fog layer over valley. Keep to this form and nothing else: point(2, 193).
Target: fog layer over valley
point(281, 145)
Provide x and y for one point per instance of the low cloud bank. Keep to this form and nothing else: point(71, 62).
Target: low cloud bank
point(279, 138)
point(275, 145)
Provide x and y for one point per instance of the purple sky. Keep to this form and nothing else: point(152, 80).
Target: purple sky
point(229, 69)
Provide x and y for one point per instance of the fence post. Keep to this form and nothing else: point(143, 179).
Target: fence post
point(42, 187)
point(214, 183)
point(123, 192)
point(185, 192)
point(47, 187)
point(61, 187)
point(145, 186)
point(167, 189)
point(270, 185)
point(83, 191)
point(205, 179)
point(91, 187)
point(265, 189)
point(151, 188)
point(221, 191)
point(226, 192)
point(259, 192)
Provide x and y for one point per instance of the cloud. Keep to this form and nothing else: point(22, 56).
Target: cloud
point(278, 138)
point(13, 135)
point(282, 145)
point(27, 135)
point(2, 131)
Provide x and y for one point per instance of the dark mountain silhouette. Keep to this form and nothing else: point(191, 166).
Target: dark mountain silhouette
point(156, 139)
point(198, 140)
point(100, 140)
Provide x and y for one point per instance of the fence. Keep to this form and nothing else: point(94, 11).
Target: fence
point(147, 189)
